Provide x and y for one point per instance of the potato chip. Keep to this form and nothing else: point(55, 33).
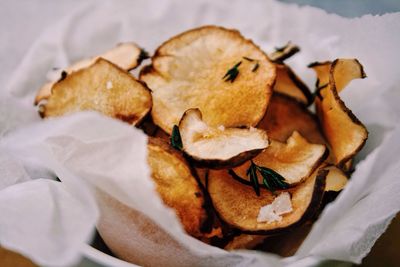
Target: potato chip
point(336, 179)
point(101, 87)
point(295, 160)
point(344, 132)
point(218, 147)
point(127, 56)
point(282, 53)
point(288, 83)
point(238, 205)
point(285, 115)
point(177, 185)
point(213, 69)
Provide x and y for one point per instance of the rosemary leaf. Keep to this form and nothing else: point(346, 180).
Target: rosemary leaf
point(232, 73)
point(252, 173)
point(176, 140)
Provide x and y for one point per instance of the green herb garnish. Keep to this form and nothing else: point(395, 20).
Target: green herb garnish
point(271, 179)
point(252, 174)
point(176, 140)
point(232, 73)
point(143, 55)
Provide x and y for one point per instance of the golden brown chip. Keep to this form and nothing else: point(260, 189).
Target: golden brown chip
point(127, 56)
point(295, 160)
point(177, 185)
point(282, 53)
point(239, 206)
point(288, 83)
point(101, 87)
point(285, 115)
point(344, 132)
point(336, 179)
point(218, 147)
point(206, 68)
point(322, 71)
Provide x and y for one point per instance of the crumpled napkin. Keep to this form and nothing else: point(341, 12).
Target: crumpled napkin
point(50, 221)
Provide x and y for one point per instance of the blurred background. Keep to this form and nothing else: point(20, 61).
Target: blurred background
point(22, 21)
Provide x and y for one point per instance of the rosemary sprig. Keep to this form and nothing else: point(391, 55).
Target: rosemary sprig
point(232, 73)
point(176, 140)
point(252, 174)
point(271, 179)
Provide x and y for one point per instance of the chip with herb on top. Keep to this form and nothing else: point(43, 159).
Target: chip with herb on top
point(282, 165)
point(204, 68)
point(238, 205)
point(102, 87)
point(127, 56)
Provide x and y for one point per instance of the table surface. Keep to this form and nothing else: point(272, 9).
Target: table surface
point(15, 14)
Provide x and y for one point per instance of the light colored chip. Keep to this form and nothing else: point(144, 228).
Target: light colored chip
point(282, 53)
point(295, 160)
point(336, 179)
point(177, 185)
point(285, 115)
point(322, 71)
point(127, 56)
point(238, 205)
point(218, 147)
point(86, 89)
point(288, 83)
point(344, 132)
point(190, 71)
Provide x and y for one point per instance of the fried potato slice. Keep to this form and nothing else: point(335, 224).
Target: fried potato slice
point(288, 83)
point(205, 68)
point(218, 147)
point(322, 71)
point(127, 56)
point(344, 132)
point(239, 206)
point(336, 179)
point(285, 52)
point(177, 185)
point(101, 87)
point(285, 115)
point(294, 160)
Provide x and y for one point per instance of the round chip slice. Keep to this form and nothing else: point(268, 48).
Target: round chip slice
point(294, 160)
point(205, 68)
point(127, 56)
point(177, 185)
point(218, 147)
point(102, 87)
point(288, 83)
point(239, 206)
point(285, 115)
